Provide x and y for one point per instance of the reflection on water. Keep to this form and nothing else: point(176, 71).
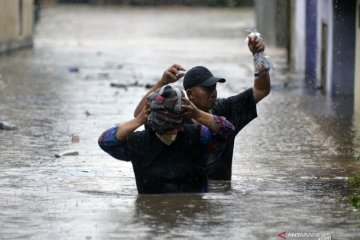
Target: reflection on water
point(289, 167)
point(167, 212)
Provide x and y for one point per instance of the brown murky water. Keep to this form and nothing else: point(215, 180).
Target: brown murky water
point(289, 163)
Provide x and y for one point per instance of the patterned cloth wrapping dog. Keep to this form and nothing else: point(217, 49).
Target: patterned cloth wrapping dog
point(166, 112)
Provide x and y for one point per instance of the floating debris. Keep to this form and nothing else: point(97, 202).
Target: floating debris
point(74, 69)
point(67, 153)
point(118, 85)
point(134, 84)
point(75, 138)
point(7, 126)
point(148, 86)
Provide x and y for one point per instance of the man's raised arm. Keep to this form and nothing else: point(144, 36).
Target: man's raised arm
point(262, 84)
point(171, 75)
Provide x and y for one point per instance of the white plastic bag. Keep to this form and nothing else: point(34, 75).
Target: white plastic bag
point(261, 61)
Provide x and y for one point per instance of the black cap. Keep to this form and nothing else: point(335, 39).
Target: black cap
point(200, 76)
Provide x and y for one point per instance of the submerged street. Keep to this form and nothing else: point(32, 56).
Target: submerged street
point(87, 71)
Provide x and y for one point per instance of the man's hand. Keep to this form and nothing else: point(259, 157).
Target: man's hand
point(256, 44)
point(199, 116)
point(191, 111)
point(172, 74)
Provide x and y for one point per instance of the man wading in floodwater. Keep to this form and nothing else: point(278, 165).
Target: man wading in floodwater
point(168, 156)
point(200, 86)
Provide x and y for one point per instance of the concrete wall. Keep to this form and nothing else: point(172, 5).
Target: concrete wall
point(272, 20)
point(16, 28)
point(357, 63)
point(298, 36)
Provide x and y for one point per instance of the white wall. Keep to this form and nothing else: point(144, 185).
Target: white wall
point(300, 34)
point(324, 15)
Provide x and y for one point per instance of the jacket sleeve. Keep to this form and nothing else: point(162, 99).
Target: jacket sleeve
point(226, 131)
point(117, 149)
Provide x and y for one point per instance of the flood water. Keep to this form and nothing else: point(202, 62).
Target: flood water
point(289, 166)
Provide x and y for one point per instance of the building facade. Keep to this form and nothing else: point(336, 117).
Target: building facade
point(324, 43)
point(16, 24)
point(323, 40)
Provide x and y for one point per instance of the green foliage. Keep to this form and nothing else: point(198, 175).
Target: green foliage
point(355, 200)
point(354, 181)
point(230, 3)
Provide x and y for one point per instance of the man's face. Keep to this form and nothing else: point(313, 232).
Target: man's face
point(203, 97)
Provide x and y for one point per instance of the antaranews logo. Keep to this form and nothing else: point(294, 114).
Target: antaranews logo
point(282, 235)
point(304, 235)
